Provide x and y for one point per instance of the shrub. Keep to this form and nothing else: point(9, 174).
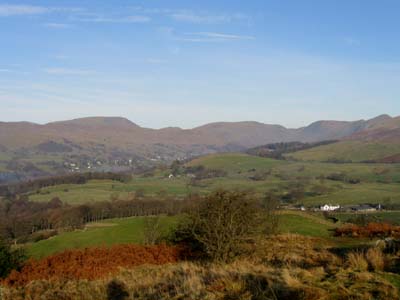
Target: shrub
point(219, 226)
point(270, 205)
point(152, 231)
point(370, 230)
point(9, 259)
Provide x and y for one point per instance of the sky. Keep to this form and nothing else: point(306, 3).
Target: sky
point(166, 63)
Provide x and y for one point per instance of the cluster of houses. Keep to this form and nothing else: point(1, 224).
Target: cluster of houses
point(351, 208)
point(344, 208)
point(77, 166)
point(329, 207)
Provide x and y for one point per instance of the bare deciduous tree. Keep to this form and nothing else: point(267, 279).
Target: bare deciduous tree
point(152, 230)
point(223, 222)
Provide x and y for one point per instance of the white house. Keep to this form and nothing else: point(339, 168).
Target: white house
point(329, 207)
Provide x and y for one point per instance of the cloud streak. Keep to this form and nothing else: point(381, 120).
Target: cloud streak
point(58, 25)
point(9, 10)
point(206, 18)
point(96, 18)
point(210, 37)
point(196, 17)
point(72, 72)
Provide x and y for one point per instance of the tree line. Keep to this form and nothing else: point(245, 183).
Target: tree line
point(22, 220)
point(12, 190)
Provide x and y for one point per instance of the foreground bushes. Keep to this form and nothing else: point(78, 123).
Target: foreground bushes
point(370, 230)
point(220, 225)
point(9, 259)
point(283, 267)
point(92, 263)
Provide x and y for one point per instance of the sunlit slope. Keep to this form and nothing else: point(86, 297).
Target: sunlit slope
point(236, 162)
point(354, 151)
point(105, 233)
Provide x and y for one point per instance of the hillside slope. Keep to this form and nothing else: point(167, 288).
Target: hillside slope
point(114, 143)
point(378, 140)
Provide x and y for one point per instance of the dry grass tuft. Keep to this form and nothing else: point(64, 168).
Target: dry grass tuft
point(312, 273)
point(357, 262)
point(375, 259)
point(295, 251)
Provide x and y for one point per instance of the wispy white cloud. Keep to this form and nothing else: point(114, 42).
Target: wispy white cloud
point(206, 18)
point(58, 25)
point(215, 36)
point(16, 10)
point(194, 18)
point(190, 16)
point(202, 37)
point(7, 10)
point(97, 18)
point(64, 71)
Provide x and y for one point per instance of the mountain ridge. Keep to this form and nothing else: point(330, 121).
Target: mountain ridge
point(243, 134)
point(121, 143)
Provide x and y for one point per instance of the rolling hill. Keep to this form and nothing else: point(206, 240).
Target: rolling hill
point(378, 141)
point(114, 143)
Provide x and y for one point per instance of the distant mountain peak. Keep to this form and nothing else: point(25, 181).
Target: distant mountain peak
point(380, 118)
point(98, 121)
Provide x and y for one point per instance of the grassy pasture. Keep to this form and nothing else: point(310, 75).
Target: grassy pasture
point(355, 151)
point(378, 181)
point(382, 216)
point(130, 230)
point(236, 162)
point(103, 190)
point(304, 224)
point(363, 171)
point(358, 194)
point(106, 233)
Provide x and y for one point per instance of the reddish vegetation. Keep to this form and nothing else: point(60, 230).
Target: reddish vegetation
point(92, 263)
point(391, 159)
point(371, 230)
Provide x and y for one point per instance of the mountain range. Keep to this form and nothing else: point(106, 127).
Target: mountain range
point(118, 142)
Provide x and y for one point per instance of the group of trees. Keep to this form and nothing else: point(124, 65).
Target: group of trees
point(11, 190)
point(343, 177)
point(219, 226)
point(22, 220)
point(199, 172)
point(277, 150)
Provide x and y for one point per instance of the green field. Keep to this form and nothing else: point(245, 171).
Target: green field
point(382, 216)
point(349, 151)
point(357, 194)
point(236, 162)
point(379, 182)
point(304, 224)
point(106, 233)
point(130, 230)
point(104, 190)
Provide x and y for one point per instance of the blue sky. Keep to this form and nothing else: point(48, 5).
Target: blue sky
point(186, 63)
